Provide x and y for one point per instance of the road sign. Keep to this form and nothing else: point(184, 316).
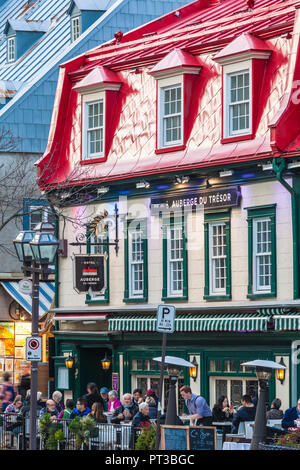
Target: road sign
point(165, 318)
point(25, 286)
point(34, 349)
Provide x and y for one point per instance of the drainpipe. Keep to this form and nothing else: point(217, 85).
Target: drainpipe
point(279, 165)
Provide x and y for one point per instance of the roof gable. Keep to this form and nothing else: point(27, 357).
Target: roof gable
point(241, 45)
point(90, 5)
point(98, 78)
point(27, 26)
point(176, 61)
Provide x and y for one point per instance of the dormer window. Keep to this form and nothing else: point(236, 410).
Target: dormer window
point(237, 100)
point(171, 122)
point(75, 28)
point(11, 49)
point(175, 75)
point(99, 91)
point(93, 134)
point(243, 64)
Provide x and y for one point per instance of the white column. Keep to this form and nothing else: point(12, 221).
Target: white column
point(121, 375)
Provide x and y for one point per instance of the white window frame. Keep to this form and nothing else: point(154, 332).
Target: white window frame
point(212, 271)
point(88, 100)
point(212, 385)
point(11, 47)
point(171, 291)
point(165, 84)
point(98, 249)
point(228, 72)
point(136, 293)
point(258, 289)
point(75, 26)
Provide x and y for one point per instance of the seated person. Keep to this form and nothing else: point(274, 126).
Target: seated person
point(245, 413)
point(137, 395)
point(126, 411)
point(291, 417)
point(51, 409)
point(142, 417)
point(97, 412)
point(222, 411)
point(81, 408)
point(275, 412)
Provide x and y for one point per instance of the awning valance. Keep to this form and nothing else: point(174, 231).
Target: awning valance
point(46, 296)
point(193, 323)
point(289, 322)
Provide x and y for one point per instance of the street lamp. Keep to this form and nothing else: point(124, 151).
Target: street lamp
point(174, 367)
point(194, 370)
point(36, 249)
point(69, 362)
point(280, 373)
point(263, 371)
point(106, 362)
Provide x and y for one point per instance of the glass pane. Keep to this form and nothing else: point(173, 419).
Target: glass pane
point(137, 364)
point(230, 366)
point(236, 391)
point(221, 388)
point(215, 365)
point(154, 383)
point(180, 403)
point(142, 384)
point(252, 388)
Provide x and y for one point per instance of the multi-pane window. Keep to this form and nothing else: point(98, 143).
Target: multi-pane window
point(239, 103)
point(262, 254)
point(11, 49)
point(136, 263)
point(100, 250)
point(95, 128)
point(175, 260)
point(218, 261)
point(172, 116)
point(39, 214)
point(75, 28)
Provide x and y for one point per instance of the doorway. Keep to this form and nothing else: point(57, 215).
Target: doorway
point(91, 369)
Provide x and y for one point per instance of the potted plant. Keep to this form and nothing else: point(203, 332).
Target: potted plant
point(83, 429)
point(146, 440)
point(51, 432)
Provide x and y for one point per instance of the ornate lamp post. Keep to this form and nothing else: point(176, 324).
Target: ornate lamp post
point(36, 250)
point(174, 367)
point(263, 371)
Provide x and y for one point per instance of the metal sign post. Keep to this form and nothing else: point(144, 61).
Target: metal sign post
point(165, 324)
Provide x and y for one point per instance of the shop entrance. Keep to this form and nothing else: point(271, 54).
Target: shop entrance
point(91, 368)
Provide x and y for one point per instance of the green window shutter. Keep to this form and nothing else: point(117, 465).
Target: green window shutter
point(254, 214)
point(210, 218)
point(168, 223)
point(140, 225)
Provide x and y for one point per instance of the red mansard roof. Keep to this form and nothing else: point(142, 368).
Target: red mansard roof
point(200, 31)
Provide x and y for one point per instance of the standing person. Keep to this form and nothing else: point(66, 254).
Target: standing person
point(291, 417)
point(245, 413)
point(126, 411)
point(199, 410)
point(222, 411)
point(114, 401)
point(7, 392)
point(93, 395)
point(25, 410)
point(275, 412)
point(97, 412)
point(137, 395)
point(81, 408)
point(25, 381)
point(66, 413)
point(104, 396)
point(57, 398)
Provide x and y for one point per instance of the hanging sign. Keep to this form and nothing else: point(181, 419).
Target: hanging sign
point(221, 198)
point(115, 381)
point(34, 348)
point(25, 286)
point(89, 273)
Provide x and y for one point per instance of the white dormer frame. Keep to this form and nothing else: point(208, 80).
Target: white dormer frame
point(87, 100)
point(162, 86)
point(75, 27)
point(230, 70)
point(11, 49)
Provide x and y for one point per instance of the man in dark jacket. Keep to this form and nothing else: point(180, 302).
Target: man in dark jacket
point(81, 408)
point(245, 413)
point(291, 417)
point(142, 417)
point(126, 411)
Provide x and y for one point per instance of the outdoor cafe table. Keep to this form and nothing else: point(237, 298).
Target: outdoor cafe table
point(224, 425)
point(236, 442)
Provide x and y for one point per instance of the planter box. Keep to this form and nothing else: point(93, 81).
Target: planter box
point(275, 447)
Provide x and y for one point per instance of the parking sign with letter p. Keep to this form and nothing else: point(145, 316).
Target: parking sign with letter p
point(165, 318)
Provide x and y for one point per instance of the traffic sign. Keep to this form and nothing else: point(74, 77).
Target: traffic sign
point(34, 348)
point(165, 318)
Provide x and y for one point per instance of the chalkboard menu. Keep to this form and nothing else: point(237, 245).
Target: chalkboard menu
point(188, 437)
point(202, 438)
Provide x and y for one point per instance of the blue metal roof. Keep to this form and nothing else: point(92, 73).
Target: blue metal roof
point(28, 113)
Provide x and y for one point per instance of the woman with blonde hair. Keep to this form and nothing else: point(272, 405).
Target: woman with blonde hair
point(57, 398)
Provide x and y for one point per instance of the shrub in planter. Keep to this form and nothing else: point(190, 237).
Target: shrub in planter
point(146, 440)
point(51, 432)
point(83, 429)
point(291, 439)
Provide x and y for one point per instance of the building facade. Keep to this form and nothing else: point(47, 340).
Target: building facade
point(34, 38)
point(186, 139)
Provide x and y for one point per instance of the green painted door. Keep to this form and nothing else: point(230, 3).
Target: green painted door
point(91, 369)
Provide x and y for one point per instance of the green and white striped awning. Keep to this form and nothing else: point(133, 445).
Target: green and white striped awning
point(288, 322)
point(183, 322)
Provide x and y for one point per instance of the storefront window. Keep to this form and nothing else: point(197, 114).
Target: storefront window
point(215, 366)
point(230, 366)
point(137, 364)
point(13, 348)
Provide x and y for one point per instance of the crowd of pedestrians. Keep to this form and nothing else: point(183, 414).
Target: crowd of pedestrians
point(104, 405)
